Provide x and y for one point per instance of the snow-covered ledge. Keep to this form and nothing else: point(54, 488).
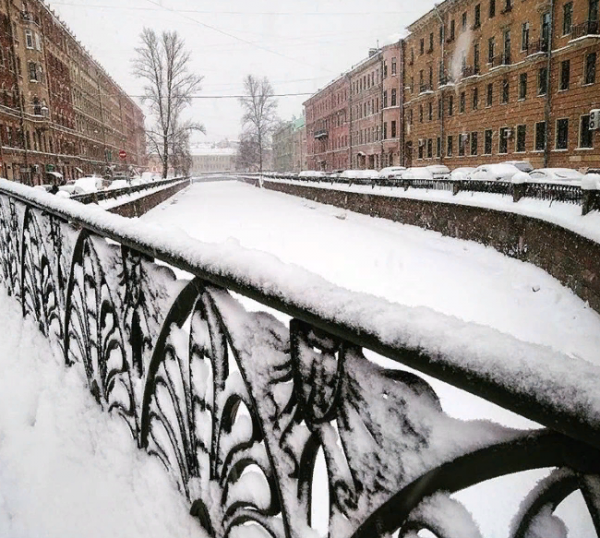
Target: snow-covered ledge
point(180, 359)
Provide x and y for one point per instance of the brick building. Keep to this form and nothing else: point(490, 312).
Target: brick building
point(495, 80)
point(356, 121)
point(60, 112)
point(328, 126)
point(289, 146)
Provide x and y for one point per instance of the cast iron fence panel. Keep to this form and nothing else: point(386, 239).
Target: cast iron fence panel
point(238, 405)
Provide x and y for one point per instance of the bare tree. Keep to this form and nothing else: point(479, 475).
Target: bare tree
point(259, 117)
point(164, 64)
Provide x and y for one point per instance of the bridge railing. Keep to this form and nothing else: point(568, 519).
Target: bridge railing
point(238, 404)
point(113, 194)
point(554, 192)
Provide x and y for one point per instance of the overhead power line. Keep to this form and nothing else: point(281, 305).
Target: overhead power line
point(232, 36)
point(246, 13)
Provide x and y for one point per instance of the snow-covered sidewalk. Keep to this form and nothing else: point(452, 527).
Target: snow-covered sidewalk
point(67, 468)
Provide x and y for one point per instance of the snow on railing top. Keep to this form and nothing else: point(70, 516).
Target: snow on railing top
point(532, 380)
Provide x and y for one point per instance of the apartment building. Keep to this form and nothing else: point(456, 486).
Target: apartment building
point(494, 80)
point(356, 121)
point(61, 115)
point(328, 126)
point(289, 146)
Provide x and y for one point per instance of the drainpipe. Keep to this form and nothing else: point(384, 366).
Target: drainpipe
point(548, 108)
point(382, 112)
point(350, 128)
point(443, 72)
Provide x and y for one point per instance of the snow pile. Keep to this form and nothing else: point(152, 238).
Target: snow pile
point(591, 182)
point(67, 468)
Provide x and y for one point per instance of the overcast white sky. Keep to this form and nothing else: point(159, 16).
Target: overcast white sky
point(308, 42)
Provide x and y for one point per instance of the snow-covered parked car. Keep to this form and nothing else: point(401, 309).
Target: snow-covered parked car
point(118, 184)
point(556, 175)
point(437, 171)
point(311, 174)
point(460, 174)
point(494, 172)
point(391, 172)
point(66, 191)
point(523, 166)
point(359, 174)
point(90, 184)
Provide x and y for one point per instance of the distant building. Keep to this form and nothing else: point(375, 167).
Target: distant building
point(213, 159)
point(356, 120)
point(289, 146)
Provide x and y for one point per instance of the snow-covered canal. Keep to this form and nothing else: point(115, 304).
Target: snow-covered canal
point(413, 267)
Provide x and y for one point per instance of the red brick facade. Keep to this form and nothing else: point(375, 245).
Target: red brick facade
point(492, 77)
point(478, 81)
point(59, 110)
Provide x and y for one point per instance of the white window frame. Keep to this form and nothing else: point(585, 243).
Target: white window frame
point(29, 42)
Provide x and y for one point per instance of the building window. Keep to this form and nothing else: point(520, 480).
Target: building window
point(477, 22)
point(420, 113)
point(540, 136)
point(476, 61)
point(38, 42)
point(394, 66)
point(385, 99)
point(562, 134)
point(490, 94)
point(567, 18)
point(33, 74)
point(475, 98)
point(29, 39)
point(525, 36)
point(450, 148)
point(521, 138)
point(394, 129)
point(503, 142)
point(422, 46)
point(474, 144)
point(491, 49)
point(452, 30)
point(586, 137)
point(492, 9)
point(507, 48)
point(523, 86)
point(430, 42)
point(590, 68)
point(565, 74)
point(488, 142)
point(464, 22)
point(431, 111)
point(421, 148)
point(438, 147)
point(505, 91)
point(463, 102)
point(545, 37)
point(393, 96)
point(430, 148)
point(542, 81)
point(462, 144)
point(450, 105)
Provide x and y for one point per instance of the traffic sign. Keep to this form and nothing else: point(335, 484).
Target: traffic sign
point(123, 155)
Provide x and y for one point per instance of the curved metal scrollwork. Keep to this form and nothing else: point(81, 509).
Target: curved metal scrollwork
point(93, 332)
point(239, 407)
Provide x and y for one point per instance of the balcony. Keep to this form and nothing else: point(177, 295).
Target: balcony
point(537, 47)
point(321, 133)
point(501, 60)
point(585, 29)
point(470, 71)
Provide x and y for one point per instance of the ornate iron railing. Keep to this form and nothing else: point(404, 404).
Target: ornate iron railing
point(552, 192)
point(237, 404)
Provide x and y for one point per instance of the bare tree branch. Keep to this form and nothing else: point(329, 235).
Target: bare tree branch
point(163, 63)
point(260, 115)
